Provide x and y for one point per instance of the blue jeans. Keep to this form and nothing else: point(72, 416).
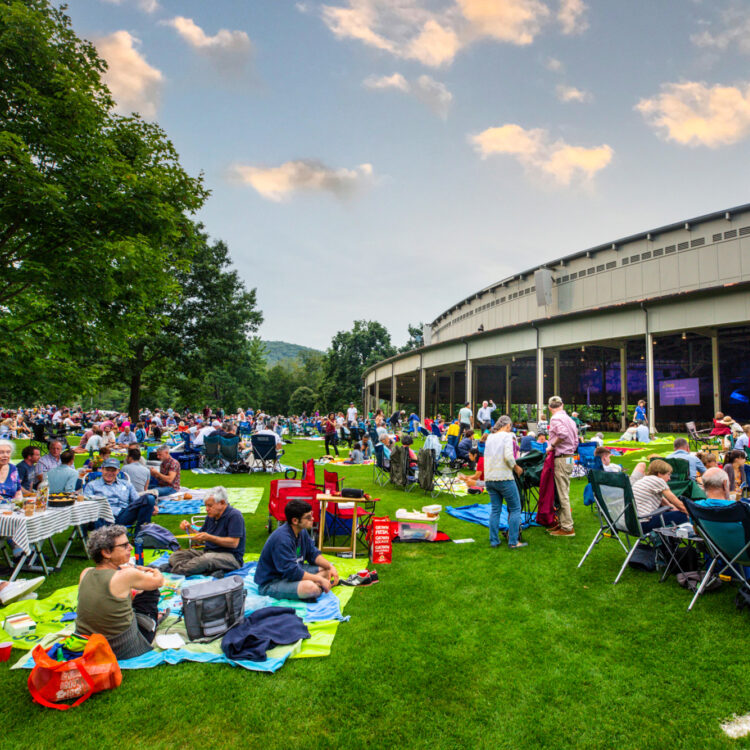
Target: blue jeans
point(508, 491)
point(162, 491)
point(665, 519)
point(137, 513)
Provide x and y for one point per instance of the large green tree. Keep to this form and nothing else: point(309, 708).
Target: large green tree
point(349, 354)
point(88, 200)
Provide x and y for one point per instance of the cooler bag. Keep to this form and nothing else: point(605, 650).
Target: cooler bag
point(210, 608)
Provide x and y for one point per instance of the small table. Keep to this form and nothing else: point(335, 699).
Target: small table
point(31, 532)
point(668, 536)
point(324, 500)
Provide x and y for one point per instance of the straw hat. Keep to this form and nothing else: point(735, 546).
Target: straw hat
point(727, 420)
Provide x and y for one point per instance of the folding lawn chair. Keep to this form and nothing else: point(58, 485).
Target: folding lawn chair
point(434, 474)
point(726, 531)
point(680, 482)
point(284, 490)
point(229, 449)
point(265, 453)
point(39, 438)
point(618, 515)
point(381, 470)
point(435, 430)
point(696, 437)
point(528, 482)
point(401, 473)
point(211, 452)
point(586, 455)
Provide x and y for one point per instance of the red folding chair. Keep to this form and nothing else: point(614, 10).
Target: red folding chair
point(284, 490)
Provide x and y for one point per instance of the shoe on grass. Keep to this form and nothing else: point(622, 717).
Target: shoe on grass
point(19, 589)
point(358, 579)
point(518, 546)
point(562, 532)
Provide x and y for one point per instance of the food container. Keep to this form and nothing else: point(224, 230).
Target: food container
point(417, 531)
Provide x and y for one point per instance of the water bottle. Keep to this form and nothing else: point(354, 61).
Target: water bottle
point(138, 551)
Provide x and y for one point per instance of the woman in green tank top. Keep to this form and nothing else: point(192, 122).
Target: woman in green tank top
point(105, 595)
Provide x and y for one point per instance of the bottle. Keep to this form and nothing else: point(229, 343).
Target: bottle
point(138, 551)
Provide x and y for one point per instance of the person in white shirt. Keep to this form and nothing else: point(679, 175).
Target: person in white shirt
point(351, 415)
point(484, 414)
point(209, 429)
point(270, 430)
point(606, 457)
point(742, 442)
point(499, 466)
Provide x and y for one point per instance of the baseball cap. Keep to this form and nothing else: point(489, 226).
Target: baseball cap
point(110, 463)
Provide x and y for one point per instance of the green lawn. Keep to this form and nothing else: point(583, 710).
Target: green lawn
point(458, 646)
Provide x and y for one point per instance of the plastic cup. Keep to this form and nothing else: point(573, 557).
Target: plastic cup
point(5, 650)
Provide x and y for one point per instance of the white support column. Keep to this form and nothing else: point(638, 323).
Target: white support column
point(377, 395)
point(393, 389)
point(468, 394)
point(507, 389)
point(556, 374)
point(422, 391)
point(624, 385)
point(715, 370)
point(451, 396)
point(539, 384)
point(650, 382)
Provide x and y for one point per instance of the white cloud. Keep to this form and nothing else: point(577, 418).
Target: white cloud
point(572, 94)
point(734, 29)
point(538, 153)
point(430, 92)
point(147, 6)
point(229, 50)
point(695, 114)
point(309, 175)
point(396, 81)
point(553, 64)
point(570, 14)
point(135, 85)
point(434, 31)
point(513, 21)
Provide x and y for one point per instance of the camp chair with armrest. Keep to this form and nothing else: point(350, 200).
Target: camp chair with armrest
point(697, 437)
point(381, 470)
point(265, 454)
point(39, 438)
point(374, 437)
point(285, 490)
point(445, 475)
point(618, 514)
point(244, 429)
point(726, 531)
point(188, 445)
point(529, 480)
point(401, 473)
point(229, 448)
point(435, 430)
point(586, 455)
point(211, 452)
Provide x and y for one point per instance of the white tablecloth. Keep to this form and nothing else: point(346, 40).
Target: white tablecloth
point(27, 530)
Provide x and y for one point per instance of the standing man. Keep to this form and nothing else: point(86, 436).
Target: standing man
point(484, 415)
point(563, 440)
point(351, 415)
point(465, 418)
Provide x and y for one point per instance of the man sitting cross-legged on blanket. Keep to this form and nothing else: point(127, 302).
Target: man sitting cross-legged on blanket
point(290, 565)
point(223, 533)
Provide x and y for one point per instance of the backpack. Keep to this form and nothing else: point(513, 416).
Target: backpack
point(238, 467)
point(153, 536)
point(210, 608)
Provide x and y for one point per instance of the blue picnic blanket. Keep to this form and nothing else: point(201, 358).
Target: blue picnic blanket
point(181, 508)
point(480, 513)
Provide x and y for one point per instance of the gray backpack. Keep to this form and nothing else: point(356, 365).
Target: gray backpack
point(210, 608)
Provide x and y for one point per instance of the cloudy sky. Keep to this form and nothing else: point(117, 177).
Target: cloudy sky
point(382, 159)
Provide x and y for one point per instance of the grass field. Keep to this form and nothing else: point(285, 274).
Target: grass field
point(458, 646)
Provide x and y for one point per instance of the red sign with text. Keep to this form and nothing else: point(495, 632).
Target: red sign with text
point(380, 541)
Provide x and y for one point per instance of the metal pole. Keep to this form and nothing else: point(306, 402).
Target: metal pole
point(624, 385)
point(507, 388)
point(539, 384)
point(715, 370)
point(650, 382)
point(422, 390)
point(393, 389)
point(556, 374)
point(451, 395)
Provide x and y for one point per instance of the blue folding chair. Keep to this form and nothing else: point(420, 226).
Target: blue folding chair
point(586, 455)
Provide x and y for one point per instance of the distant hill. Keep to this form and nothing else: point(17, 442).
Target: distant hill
point(277, 351)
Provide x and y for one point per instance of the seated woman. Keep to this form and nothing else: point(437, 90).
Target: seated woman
point(93, 444)
point(651, 491)
point(629, 434)
point(356, 456)
point(106, 603)
point(734, 465)
point(722, 425)
point(10, 482)
point(477, 478)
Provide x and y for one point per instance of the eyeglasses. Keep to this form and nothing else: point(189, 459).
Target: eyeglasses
point(122, 544)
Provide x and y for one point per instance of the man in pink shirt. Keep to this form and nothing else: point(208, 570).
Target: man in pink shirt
point(563, 440)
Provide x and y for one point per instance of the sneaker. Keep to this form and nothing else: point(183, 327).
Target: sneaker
point(19, 589)
point(358, 579)
point(517, 546)
point(556, 527)
point(374, 576)
point(562, 532)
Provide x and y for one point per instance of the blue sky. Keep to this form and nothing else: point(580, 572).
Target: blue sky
point(382, 159)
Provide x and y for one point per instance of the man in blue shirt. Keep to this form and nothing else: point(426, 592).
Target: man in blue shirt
point(290, 565)
point(642, 434)
point(742, 442)
point(222, 533)
point(128, 507)
point(681, 446)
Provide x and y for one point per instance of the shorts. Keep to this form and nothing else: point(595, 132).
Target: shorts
point(280, 588)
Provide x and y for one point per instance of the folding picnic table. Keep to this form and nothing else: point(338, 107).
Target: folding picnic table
point(31, 532)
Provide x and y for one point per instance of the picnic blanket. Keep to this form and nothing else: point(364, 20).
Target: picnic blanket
point(480, 513)
point(283, 467)
point(55, 617)
point(245, 499)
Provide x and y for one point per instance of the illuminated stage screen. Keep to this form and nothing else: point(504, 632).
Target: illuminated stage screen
point(679, 392)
